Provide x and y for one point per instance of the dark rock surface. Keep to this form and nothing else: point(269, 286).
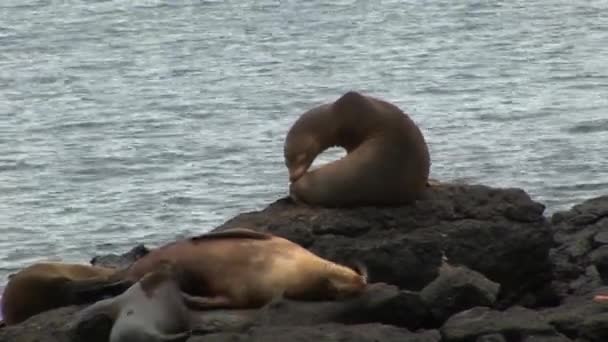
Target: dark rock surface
point(515, 323)
point(500, 233)
point(580, 317)
point(457, 289)
point(324, 333)
point(581, 257)
point(466, 263)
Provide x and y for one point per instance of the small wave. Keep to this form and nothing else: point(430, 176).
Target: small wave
point(20, 166)
point(589, 127)
point(183, 200)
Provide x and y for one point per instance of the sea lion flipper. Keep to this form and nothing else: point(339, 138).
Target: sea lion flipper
point(233, 233)
point(203, 303)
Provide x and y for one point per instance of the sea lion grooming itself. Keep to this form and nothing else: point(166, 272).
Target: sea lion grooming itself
point(242, 268)
point(152, 310)
point(387, 160)
point(49, 285)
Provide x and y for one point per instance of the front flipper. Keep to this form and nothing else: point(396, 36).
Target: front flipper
point(203, 303)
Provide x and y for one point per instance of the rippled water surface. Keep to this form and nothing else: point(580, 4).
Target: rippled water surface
point(138, 121)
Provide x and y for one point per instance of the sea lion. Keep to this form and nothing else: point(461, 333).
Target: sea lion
point(48, 285)
point(151, 310)
point(242, 268)
point(387, 160)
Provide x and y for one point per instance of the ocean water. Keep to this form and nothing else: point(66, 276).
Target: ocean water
point(125, 122)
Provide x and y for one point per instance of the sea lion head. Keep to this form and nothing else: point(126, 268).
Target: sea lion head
point(312, 133)
point(344, 282)
point(300, 151)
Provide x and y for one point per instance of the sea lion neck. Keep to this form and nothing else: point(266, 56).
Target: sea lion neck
point(322, 126)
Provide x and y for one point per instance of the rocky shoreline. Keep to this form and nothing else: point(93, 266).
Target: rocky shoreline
point(465, 263)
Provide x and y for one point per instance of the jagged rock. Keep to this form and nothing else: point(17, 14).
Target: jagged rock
point(324, 333)
point(581, 317)
point(122, 260)
point(381, 303)
point(515, 321)
point(581, 256)
point(500, 233)
point(45, 327)
point(457, 289)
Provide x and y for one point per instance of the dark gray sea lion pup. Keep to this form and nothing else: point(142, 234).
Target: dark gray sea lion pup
point(152, 310)
point(387, 160)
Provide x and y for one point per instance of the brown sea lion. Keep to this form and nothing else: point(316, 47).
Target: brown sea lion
point(152, 310)
point(242, 268)
point(387, 160)
point(48, 285)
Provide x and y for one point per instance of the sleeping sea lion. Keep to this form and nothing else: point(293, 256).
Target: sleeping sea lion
point(49, 285)
point(242, 268)
point(387, 160)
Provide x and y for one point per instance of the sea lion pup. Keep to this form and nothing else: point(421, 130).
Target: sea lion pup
point(48, 285)
point(387, 160)
point(242, 268)
point(151, 310)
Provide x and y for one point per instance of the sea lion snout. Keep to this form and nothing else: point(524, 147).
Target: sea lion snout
point(346, 282)
point(352, 288)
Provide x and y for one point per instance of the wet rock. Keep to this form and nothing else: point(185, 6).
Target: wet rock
point(480, 321)
point(457, 289)
point(500, 233)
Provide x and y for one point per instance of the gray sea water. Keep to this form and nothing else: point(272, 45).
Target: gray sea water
point(138, 121)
